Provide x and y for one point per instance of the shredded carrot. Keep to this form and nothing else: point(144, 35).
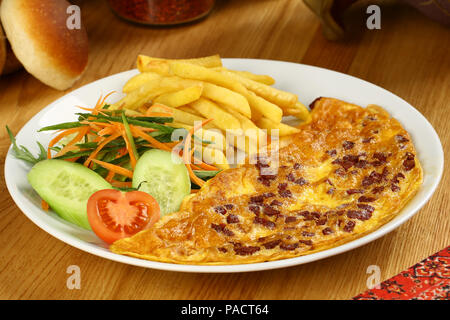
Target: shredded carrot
point(65, 150)
point(193, 166)
point(86, 109)
point(186, 153)
point(44, 205)
point(114, 168)
point(150, 111)
point(143, 128)
point(100, 147)
point(105, 131)
point(200, 164)
point(100, 103)
point(121, 152)
point(110, 176)
point(82, 131)
point(206, 166)
point(56, 139)
point(153, 142)
point(195, 190)
point(72, 159)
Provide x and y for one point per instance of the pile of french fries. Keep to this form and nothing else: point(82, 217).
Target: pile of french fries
point(194, 90)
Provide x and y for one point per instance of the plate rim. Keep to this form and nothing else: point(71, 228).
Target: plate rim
point(259, 266)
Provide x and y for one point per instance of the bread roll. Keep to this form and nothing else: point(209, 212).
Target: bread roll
point(41, 40)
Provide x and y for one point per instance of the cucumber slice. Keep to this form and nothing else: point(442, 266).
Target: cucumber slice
point(164, 176)
point(66, 187)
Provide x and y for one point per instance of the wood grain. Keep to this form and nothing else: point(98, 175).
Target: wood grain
point(408, 56)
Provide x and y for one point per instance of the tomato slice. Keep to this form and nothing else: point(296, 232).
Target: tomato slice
point(114, 214)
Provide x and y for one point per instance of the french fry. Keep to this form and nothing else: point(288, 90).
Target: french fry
point(143, 94)
point(215, 157)
point(208, 62)
point(262, 78)
point(180, 98)
point(283, 129)
point(251, 130)
point(181, 116)
point(196, 72)
point(179, 83)
point(280, 98)
point(268, 80)
point(194, 90)
point(222, 119)
point(139, 80)
point(300, 111)
point(227, 97)
point(160, 67)
point(262, 106)
point(189, 109)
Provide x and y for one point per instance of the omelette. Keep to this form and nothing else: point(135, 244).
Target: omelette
point(349, 171)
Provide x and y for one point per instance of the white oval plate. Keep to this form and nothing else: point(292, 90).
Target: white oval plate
point(306, 81)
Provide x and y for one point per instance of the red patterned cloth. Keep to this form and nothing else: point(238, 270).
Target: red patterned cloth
point(426, 280)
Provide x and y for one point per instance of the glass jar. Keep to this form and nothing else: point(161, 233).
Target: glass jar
point(161, 12)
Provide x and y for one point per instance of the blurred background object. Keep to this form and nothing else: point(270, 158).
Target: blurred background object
point(39, 35)
point(338, 16)
point(2, 49)
point(161, 12)
point(8, 60)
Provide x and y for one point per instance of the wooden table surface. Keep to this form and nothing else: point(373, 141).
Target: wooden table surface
point(409, 56)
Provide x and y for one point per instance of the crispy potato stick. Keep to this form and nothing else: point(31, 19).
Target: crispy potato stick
point(195, 72)
point(250, 129)
point(227, 97)
point(152, 89)
point(189, 109)
point(208, 62)
point(281, 98)
point(179, 83)
point(255, 77)
point(143, 94)
point(222, 119)
point(262, 78)
point(300, 112)
point(215, 157)
point(262, 107)
point(190, 71)
point(284, 129)
point(180, 98)
point(160, 67)
point(138, 80)
point(183, 117)
point(132, 113)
